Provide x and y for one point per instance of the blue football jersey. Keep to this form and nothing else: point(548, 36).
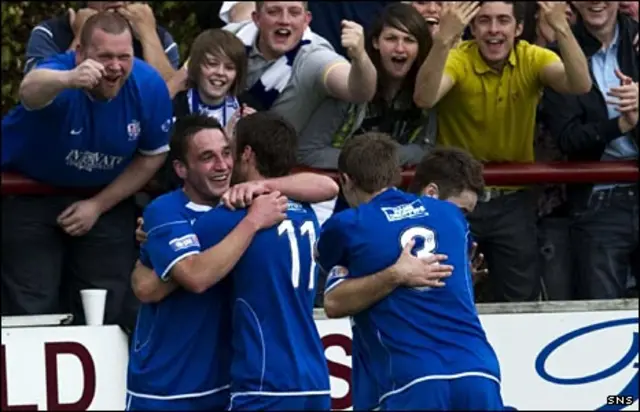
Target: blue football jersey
point(79, 141)
point(414, 333)
point(276, 346)
point(181, 346)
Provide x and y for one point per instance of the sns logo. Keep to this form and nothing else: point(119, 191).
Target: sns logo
point(627, 395)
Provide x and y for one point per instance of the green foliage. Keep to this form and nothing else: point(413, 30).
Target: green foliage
point(18, 18)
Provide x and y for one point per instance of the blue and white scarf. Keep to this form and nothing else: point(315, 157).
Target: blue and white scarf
point(274, 80)
point(221, 112)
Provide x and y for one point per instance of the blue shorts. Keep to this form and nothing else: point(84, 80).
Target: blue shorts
point(466, 393)
point(280, 402)
point(215, 402)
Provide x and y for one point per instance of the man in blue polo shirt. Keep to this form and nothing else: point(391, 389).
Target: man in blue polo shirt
point(97, 121)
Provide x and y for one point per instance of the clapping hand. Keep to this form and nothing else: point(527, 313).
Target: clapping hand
point(454, 17)
point(555, 14)
point(627, 98)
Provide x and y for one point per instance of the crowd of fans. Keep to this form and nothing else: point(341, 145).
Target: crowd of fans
point(505, 81)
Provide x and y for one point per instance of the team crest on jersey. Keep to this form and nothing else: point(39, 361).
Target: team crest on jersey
point(184, 242)
point(337, 272)
point(166, 126)
point(134, 129)
point(411, 210)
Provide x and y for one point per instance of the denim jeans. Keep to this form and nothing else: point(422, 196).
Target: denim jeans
point(604, 237)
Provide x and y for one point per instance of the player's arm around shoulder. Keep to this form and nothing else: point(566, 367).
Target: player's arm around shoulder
point(348, 296)
point(304, 187)
point(225, 235)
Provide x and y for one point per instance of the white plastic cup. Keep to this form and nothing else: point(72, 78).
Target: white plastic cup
point(93, 304)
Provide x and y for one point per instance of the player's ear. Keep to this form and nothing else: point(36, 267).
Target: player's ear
point(344, 180)
point(431, 190)
point(180, 169)
point(247, 154)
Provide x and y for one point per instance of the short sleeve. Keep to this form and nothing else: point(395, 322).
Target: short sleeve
point(212, 227)
point(171, 49)
point(456, 64)
point(154, 138)
point(314, 67)
point(170, 238)
point(331, 247)
point(539, 58)
point(59, 62)
point(40, 46)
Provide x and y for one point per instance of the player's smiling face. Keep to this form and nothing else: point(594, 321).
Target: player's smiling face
point(207, 173)
point(115, 53)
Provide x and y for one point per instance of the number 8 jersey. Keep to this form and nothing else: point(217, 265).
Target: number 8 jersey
point(412, 335)
point(277, 350)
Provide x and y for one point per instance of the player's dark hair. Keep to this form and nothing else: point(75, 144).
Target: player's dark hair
point(273, 140)
point(452, 169)
point(107, 21)
point(371, 161)
point(184, 129)
point(218, 42)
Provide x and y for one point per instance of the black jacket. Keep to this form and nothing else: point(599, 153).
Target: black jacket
point(580, 123)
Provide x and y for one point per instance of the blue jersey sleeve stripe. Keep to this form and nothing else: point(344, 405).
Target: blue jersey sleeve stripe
point(175, 222)
point(332, 285)
point(159, 150)
point(165, 275)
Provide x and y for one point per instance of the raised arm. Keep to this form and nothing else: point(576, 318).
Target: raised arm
point(188, 266)
point(42, 85)
point(571, 75)
point(143, 21)
point(432, 84)
point(355, 82)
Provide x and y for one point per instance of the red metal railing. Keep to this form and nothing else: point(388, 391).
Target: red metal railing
point(495, 174)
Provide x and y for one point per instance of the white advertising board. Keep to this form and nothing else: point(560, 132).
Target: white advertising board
point(549, 361)
point(63, 368)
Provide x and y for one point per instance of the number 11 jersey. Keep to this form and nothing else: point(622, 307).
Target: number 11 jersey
point(277, 350)
point(414, 334)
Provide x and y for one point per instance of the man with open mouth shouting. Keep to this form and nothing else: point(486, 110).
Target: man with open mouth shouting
point(486, 91)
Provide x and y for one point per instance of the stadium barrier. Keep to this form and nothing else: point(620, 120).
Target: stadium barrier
point(494, 174)
point(580, 355)
point(553, 355)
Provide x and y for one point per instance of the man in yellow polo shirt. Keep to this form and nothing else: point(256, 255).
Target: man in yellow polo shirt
point(487, 91)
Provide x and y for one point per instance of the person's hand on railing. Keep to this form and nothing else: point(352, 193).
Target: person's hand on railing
point(141, 235)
